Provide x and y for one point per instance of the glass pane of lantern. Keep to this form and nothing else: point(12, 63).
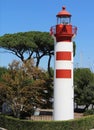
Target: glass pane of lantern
point(65, 20)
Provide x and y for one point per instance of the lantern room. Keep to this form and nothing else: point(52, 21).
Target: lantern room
point(63, 30)
point(63, 17)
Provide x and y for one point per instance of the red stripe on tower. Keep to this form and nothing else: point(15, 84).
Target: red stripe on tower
point(63, 73)
point(63, 55)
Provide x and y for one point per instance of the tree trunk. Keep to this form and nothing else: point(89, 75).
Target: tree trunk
point(49, 70)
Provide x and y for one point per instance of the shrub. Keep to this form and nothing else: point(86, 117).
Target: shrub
point(10, 123)
point(89, 112)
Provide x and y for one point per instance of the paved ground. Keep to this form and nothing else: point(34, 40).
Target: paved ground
point(48, 117)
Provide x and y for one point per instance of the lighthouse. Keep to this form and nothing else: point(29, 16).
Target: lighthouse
point(63, 33)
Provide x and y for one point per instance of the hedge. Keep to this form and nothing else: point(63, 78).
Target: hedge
point(10, 123)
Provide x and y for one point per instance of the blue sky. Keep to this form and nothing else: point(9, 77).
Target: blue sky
point(40, 15)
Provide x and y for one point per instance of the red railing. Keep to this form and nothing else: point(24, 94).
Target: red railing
point(53, 30)
point(74, 30)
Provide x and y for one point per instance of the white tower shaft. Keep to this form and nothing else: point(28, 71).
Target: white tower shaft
point(63, 81)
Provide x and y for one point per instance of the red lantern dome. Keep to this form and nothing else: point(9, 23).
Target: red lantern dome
point(63, 13)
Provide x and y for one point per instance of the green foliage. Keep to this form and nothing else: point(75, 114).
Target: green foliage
point(27, 45)
point(89, 112)
point(74, 48)
point(10, 123)
point(3, 89)
point(25, 86)
point(2, 71)
point(84, 86)
point(33, 44)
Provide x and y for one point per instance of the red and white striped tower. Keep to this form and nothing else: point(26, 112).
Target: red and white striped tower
point(63, 34)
